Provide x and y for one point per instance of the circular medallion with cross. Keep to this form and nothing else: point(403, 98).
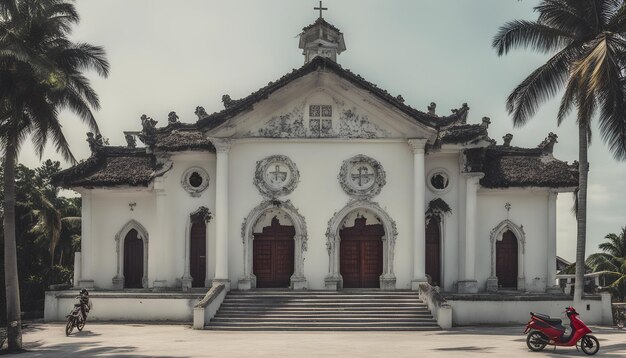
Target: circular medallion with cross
point(276, 176)
point(362, 176)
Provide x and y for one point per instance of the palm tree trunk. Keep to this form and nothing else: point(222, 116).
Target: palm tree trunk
point(11, 283)
point(581, 215)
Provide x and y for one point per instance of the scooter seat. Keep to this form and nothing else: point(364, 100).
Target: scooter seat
point(548, 319)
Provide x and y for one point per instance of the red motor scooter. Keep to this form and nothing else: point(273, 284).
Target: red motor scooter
point(543, 330)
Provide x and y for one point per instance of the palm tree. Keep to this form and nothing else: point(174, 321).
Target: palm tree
point(41, 73)
point(585, 39)
point(612, 261)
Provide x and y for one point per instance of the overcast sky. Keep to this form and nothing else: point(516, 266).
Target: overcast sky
point(175, 55)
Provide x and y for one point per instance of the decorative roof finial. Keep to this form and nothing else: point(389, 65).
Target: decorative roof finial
point(507, 140)
point(486, 122)
point(548, 144)
point(320, 8)
point(95, 143)
point(432, 107)
point(131, 142)
point(172, 117)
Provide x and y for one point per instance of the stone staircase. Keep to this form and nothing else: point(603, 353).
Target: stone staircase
point(349, 310)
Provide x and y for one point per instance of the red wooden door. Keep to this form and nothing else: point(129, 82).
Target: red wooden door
point(197, 254)
point(433, 251)
point(273, 255)
point(361, 255)
point(506, 260)
point(133, 260)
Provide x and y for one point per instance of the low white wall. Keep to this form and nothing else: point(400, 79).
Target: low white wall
point(465, 312)
point(164, 307)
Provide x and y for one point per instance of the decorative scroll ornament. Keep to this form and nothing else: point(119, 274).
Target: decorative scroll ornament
point(362, 177)
point(202, 214)
point(276, 176)
point(195, 180)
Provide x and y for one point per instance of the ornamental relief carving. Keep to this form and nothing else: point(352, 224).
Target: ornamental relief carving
point(275, 176)
point(362, 177)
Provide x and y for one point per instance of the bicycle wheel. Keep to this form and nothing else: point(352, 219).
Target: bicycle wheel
point(589, 344)
point(536, 341)
point(80, 325)
point(69, 326)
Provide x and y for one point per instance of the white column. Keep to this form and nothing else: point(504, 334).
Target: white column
point(469, 283)
point(419, 215)
point(86, 243)
point(222, 147)
point(551, 286)
point(158, 267)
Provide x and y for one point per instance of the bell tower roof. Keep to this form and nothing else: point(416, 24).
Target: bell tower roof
point(321, 39)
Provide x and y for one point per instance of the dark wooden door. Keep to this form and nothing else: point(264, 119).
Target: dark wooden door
point(133, 260)
point(197, 255)
point(361, 255)
point(506, 260)
point(433, 251)
point(273, 255)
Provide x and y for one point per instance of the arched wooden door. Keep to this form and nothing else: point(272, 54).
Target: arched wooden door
point(273, 255)
point(133, 260)
point(197, 254)
point(361, 254)
point(506, 260)
point(433, 250)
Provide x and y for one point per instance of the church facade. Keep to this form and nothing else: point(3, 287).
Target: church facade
point(322, 181)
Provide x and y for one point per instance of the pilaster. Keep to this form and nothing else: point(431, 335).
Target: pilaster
point(222, 147)
point(551, 286)
point(87, 259)
point(469, 283)
point(419, 215)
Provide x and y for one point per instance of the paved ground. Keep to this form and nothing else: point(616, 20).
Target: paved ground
point(139, 340)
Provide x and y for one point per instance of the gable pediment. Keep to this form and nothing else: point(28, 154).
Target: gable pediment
point(321, 104)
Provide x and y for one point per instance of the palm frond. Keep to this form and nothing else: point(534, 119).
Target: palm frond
point(530, 34)
point(541, 85)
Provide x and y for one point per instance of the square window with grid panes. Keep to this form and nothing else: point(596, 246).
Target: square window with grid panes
point(320, 119)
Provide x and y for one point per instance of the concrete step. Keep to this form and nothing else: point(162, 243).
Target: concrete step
point(323, 328)
point(313, 319)
point(359, 310)
point(262, 314)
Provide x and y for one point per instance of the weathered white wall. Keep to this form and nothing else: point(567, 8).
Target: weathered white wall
point(518, 312)
point(110, 212)
point(319, 195)
point(529, 208)
point(124, 307)
point(450, 233)
point(166, 252)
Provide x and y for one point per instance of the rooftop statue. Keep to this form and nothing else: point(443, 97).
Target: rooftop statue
point(172, 117)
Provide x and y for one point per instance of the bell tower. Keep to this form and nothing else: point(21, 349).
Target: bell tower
point(321, 39)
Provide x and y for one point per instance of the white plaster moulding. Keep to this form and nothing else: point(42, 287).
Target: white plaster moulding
point(523, 190)
point(318, 140)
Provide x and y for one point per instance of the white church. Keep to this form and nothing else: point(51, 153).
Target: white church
point(319, 181)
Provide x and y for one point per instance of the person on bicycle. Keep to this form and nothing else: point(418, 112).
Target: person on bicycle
point(84, 303)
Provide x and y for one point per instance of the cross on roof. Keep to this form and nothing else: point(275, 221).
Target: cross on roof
point(320, 9)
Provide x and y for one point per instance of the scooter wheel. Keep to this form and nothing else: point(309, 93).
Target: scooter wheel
point(536, 341)
point(589, 344)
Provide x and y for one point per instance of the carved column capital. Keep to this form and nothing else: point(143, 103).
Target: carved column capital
point(417, 145)
point(222, 145)
point(473, 177)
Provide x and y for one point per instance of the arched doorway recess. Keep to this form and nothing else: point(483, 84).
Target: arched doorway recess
point(346, 217)
point(131, 246)
point(514, 235)
point(253, 227)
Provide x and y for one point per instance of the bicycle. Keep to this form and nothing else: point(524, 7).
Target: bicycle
point(78, 317)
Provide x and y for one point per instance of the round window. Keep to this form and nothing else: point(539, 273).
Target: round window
point(439, 181)
point(195, 180)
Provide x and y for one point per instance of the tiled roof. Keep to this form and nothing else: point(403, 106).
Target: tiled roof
point(111, 166)
point(522, 167)
point(325, 64)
